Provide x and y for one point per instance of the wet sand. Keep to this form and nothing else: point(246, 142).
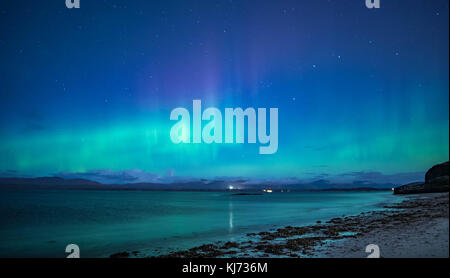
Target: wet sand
point(416, 227)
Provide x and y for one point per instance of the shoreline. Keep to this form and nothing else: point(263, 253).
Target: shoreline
point(415, 227)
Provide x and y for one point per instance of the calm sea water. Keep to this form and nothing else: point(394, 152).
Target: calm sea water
point(40, 223)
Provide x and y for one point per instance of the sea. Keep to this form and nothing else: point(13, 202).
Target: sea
point(41, 223)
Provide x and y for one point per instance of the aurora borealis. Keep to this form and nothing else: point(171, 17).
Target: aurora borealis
point(92, 88)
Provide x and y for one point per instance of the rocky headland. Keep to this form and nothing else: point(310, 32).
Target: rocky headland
point(436, 180)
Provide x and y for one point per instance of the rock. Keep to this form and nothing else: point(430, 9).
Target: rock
point(230, 244)
point(439, 184)
point(410, 188)
point(437, 171)
point(436, 180)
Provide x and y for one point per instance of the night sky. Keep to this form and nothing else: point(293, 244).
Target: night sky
point(90, 90)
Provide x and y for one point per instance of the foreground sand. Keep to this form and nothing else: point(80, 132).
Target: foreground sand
point(416, 227)
point(424, 236)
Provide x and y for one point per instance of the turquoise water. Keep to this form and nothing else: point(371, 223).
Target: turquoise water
point(40, 223)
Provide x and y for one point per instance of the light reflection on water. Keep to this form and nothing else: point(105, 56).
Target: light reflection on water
point(230, 216)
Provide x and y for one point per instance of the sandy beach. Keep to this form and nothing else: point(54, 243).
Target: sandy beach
point(421, 230)
point(415, 227)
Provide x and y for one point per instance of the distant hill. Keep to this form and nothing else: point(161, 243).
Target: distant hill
point(202, 184)
point(47, 182)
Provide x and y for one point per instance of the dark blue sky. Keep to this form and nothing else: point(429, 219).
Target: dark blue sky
point(92, 88)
